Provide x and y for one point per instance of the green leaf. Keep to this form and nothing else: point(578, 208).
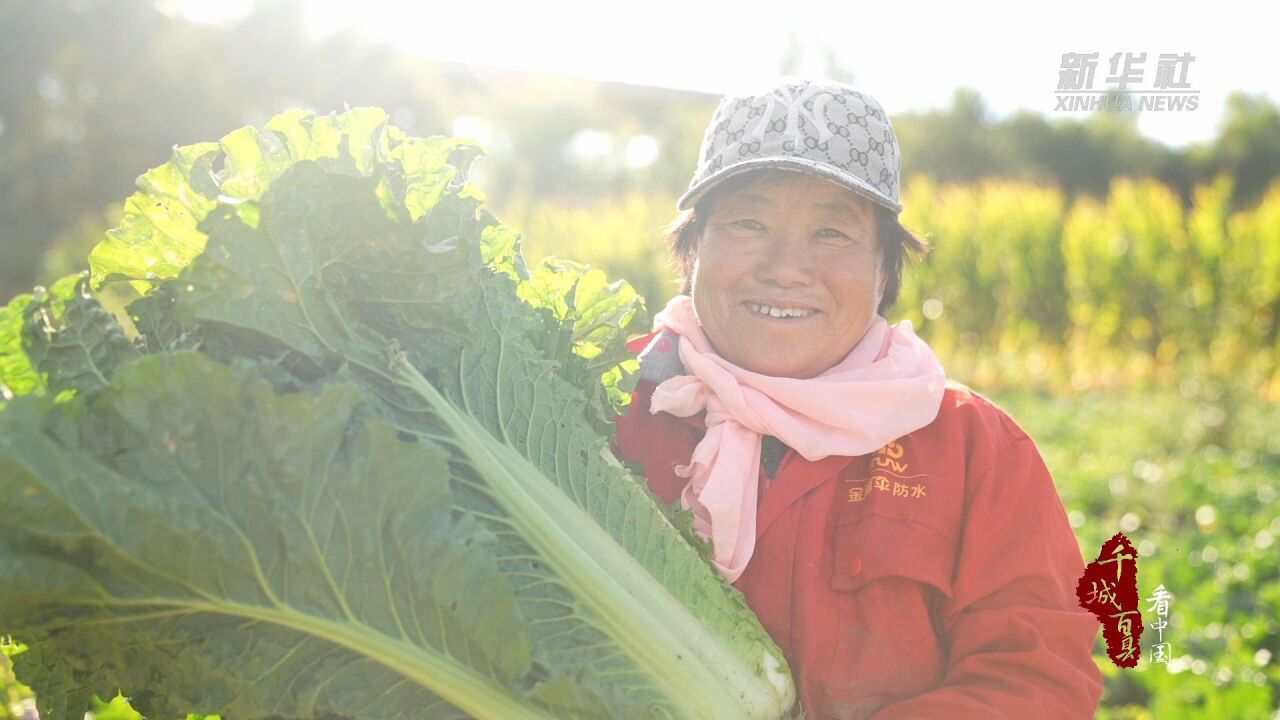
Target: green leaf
point(159, 233)
point(72, 340)
point(199, 538)
point(500, 248)
point(59, 340)
point(157, 236)
point(17, 376)
point(597, 315)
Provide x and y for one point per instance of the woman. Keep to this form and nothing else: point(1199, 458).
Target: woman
point(899, 535)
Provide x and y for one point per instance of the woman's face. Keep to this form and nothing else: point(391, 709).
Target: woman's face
point(800, 243)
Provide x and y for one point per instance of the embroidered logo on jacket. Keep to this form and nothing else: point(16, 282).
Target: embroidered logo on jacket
point(890, 473)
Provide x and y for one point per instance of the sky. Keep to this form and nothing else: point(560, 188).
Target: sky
point(911, 56)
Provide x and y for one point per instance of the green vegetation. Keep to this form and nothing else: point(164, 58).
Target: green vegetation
point(355, 460)
point(1192, 477)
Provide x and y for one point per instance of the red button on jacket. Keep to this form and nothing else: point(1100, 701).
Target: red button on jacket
point(932, 578)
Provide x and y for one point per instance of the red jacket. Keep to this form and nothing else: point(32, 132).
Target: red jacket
point(933, 578)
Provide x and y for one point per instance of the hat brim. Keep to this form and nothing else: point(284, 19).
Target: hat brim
point(856, 184)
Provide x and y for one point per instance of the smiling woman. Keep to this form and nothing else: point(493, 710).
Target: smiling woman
point(897, 244)
point(787, 270)
point(898, 534)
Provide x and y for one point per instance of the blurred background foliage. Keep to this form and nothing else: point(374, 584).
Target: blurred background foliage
point(1120, 298)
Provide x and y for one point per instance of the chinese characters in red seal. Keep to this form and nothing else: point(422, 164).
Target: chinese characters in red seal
point(1109, 589)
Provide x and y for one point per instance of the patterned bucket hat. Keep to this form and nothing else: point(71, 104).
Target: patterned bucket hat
point(823, 127)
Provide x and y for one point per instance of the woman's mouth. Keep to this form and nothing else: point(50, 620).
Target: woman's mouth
point(784, 314)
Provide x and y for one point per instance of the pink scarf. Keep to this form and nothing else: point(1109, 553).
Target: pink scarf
point(888, 385)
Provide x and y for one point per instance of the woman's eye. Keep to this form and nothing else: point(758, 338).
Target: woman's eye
point(833, 233)
point(748, 224)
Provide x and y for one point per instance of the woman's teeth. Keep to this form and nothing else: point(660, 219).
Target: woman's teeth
point(779, 312)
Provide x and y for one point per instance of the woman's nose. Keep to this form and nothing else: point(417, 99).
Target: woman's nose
point(785, 261)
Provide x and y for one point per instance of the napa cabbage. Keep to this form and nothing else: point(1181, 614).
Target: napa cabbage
point(347, 456)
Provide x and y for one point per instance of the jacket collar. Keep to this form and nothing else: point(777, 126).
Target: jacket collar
point(659, 356)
